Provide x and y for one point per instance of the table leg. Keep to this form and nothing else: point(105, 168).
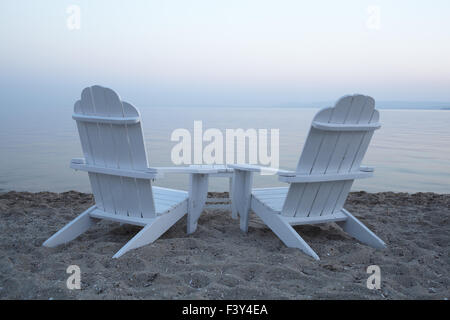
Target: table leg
point(198, 192)
point(234, 213)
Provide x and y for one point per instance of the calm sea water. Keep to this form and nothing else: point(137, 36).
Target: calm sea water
point(411, 152)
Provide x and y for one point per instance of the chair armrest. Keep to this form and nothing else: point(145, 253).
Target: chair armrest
point(80, 164)
point(307, 178)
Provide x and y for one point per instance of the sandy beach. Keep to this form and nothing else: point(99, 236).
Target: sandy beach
point(218, 261)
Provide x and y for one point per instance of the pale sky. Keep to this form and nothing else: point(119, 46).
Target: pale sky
point(224, 52)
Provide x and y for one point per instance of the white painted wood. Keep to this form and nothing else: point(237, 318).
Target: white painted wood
point(187, 170)
point(115, 158)
point(308, 198)
point(337, 217)
point(336, 155)
point(246, 167)
point(216, 171)
point(146, 198)
point(236, 184)
point(115, 144)
point(272, 198)
point(108, 120)
point(293, 176)
point(326, 177)
point(129, 203)
point(369, 115)
point(268, 210)
point(258, 168)
point(168, 196)
point(290, 204)
point(100, 214)
point(154, 230)
point(241, 195)
point(330, 203)
point(198, 192)
point(167, 199)
point(317, 163)
point(356, 229)
point(100, 157)
point(357, 145)
point(246, 198)
point(345, 127)
point(329, 163)
point(116, 172)
point(278, 224)
point(89, 154)
point(230, 195)
point(73, 229)
point(169, 190)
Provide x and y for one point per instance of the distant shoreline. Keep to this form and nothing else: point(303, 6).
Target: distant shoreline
point(313, 106)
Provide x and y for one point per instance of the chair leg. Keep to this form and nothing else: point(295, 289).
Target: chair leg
point(358, 230)
point(145, 236)
point(284, 231)
point(72, 230)
point(290, 237)
point(153, 230)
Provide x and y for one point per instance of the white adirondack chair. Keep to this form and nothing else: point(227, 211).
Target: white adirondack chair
point(329, 163)
point(115, 158)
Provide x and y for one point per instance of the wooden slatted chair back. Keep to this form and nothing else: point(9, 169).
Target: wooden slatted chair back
point(111, 136)
point(331, 152)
